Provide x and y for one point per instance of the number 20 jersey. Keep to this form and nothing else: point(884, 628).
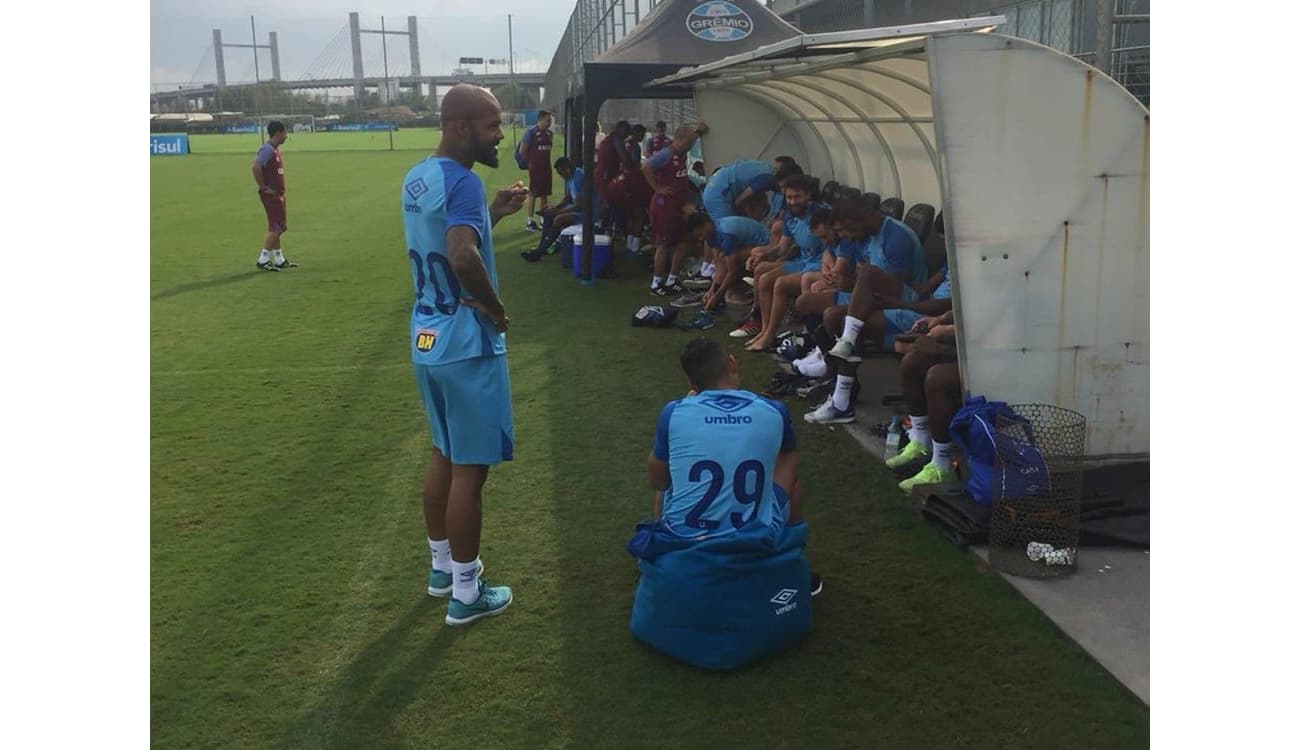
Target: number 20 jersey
point(438, 194)
point(721, 448)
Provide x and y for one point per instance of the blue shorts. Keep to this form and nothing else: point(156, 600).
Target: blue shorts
point(468, 405)
point(909, 295)
point(717, 204)
point(803, 265)
point(898, 322)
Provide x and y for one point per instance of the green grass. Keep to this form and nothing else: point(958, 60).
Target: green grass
point(406, 139)
point(288, 554)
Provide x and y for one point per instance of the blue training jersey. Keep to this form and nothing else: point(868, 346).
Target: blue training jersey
point(734, 233)
point(721, 448)
point(747, 173)
point(895, 249)
point(799, 229)
point(439, 194)
point(573, 185)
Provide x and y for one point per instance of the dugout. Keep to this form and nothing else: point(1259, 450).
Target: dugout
point(1039, 162)
point(685, 32)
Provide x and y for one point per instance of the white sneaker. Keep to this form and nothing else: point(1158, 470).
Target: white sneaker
point(828, 414)
point(843, 349)
point(748, 280)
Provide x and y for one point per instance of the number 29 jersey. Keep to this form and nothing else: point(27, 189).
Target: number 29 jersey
point(721, 448)
point(438, 194)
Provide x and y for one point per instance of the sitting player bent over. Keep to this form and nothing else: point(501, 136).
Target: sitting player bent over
point(723, 576)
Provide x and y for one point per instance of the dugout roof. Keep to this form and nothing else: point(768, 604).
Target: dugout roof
point(1039, 162)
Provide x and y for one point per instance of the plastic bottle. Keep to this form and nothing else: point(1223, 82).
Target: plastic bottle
point(894, 436)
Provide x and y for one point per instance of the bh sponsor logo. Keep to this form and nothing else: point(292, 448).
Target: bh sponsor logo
point(719, 21)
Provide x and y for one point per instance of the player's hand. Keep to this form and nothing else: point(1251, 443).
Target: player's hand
point(702, 128)
point(925, 324)
point(497, 316)
point(509, 200)
point(943, 332)
point(267, 190)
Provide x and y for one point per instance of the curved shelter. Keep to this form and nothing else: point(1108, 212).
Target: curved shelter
point(1039, 162)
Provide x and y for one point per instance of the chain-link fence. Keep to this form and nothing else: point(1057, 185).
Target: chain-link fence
point(1067, 25)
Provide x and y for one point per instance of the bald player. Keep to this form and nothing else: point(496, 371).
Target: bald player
point(458, 343)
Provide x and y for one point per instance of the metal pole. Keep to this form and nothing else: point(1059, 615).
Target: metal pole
point(514, 92)
point(1105, 33)
point(257, 84)
point(388, 95)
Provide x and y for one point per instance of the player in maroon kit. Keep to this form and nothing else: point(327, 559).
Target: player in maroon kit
point(268, 173)
point(536, 150)
point(666, 172)
point(660, 139)
point(611, 160)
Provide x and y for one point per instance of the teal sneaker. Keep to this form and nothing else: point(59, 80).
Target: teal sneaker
point(931, 474)
point(913, 451)
point(440, 583)
point(492, 600)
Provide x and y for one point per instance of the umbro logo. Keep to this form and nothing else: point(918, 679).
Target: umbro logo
point(415, 188)
point(727, 404)
point(784, 596)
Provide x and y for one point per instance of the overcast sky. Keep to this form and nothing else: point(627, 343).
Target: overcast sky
point(180, 37)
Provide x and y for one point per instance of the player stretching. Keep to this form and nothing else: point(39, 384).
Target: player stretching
point(458, 342)
point(268, 172)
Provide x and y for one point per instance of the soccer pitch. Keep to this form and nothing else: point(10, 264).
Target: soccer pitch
point(287, 550)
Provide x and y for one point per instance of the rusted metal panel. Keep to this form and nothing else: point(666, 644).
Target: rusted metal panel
point(1046, 169)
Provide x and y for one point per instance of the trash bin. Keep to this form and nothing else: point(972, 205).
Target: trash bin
point(1038, 464)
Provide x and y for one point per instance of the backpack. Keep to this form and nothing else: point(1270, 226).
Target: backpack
point(1002, 463)
point(654, 316)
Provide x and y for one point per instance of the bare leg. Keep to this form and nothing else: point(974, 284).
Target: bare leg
point(943, 398)
point(465, 511)
point(785, 287)
point(437, 487)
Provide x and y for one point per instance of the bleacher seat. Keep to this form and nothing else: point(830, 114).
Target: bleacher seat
point(893, 207)
point(873, 199)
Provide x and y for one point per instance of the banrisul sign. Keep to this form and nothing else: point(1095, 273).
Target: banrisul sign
point(169, 145)
point(719, 21)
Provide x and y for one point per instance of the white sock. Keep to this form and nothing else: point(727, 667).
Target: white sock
point(920, 432)
point(279, 256)
point(440, 551)
point(852, 328)
point(814, 366)
point(672, 279)
point(943, 454)
point(656, 282)
point(464, 581)
point(264, 256)
point(843, 387)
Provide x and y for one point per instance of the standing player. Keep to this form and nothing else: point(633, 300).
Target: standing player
point(660, 139)
point(268, 173)
point(458, 342)
point(666, 174)
point(536, 150)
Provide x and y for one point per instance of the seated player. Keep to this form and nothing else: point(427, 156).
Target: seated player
point(723, 580)
point(779, 273)
point(567, 212)
point(735, 182)
point(732, 237)
point(883, 324)
point(890, 269)
point(931, 384)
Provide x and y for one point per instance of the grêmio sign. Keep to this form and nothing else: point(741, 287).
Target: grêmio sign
point(169, 145)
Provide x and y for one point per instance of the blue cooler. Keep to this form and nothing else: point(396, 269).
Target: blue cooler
point(600, 257)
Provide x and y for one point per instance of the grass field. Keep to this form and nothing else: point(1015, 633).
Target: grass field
point(406, 139)
point(288, 555)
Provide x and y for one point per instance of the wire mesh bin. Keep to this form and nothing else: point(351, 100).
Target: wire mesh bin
point(1034, 528)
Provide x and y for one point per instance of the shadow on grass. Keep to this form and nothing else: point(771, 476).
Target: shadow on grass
point(197, 286)
point(377, 686)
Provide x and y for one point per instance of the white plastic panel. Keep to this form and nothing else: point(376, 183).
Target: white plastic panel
point(1047, 174)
